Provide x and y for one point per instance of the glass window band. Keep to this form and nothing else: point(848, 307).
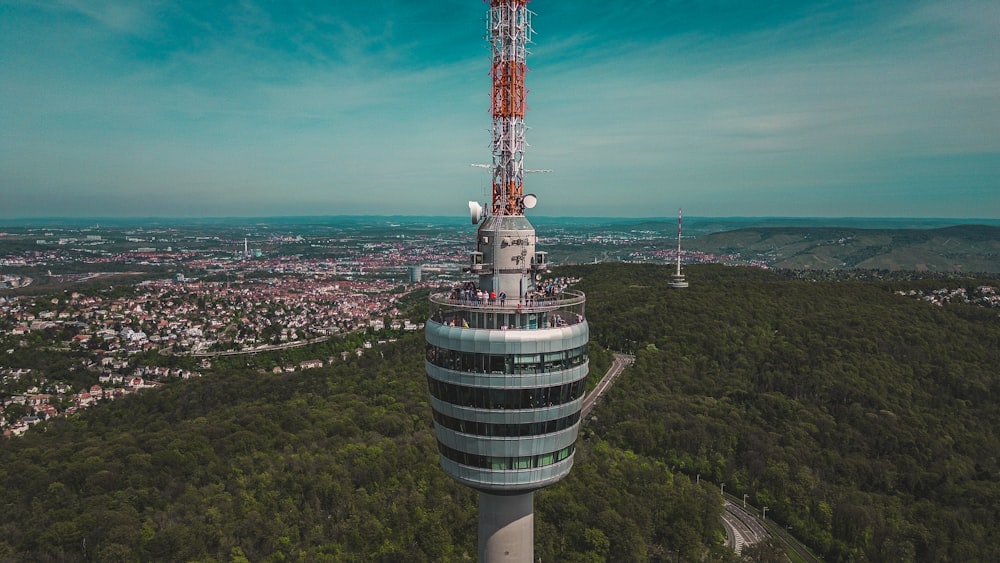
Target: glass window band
point(505, 463)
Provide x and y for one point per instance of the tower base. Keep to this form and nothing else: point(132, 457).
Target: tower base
point(506, 528)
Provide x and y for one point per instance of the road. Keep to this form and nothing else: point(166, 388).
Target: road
point(621, 362)
point(266, 348)
point(746, 526)
point(743, 527)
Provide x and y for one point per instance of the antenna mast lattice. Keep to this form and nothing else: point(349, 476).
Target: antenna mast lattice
point(509, 32)
point(677, 281)
point(679, 242)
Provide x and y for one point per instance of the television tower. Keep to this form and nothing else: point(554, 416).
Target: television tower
point(506, 354)
point(677, 281)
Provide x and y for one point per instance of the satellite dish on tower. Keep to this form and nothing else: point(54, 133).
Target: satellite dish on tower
point(529, 201)
point(475, 212)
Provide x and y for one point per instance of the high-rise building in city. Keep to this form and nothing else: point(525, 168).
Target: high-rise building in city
point(507, 350)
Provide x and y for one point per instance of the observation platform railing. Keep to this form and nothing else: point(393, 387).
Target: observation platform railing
point(532, 313)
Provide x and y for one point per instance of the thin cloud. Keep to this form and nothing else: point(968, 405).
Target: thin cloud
point(380, 106)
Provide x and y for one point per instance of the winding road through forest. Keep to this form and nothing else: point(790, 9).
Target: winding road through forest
point(621, 362)
point(742, 524)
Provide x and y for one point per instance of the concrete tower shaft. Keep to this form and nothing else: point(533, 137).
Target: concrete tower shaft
point(508, 260)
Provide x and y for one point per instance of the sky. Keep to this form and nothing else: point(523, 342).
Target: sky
point(125, 108)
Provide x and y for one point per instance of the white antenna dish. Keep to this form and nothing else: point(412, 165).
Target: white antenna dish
point(529, 201)
point(475, 212)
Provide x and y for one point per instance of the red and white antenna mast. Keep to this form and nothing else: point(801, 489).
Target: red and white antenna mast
point(509, 32)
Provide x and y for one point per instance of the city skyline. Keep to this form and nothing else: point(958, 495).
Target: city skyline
point(795, 109)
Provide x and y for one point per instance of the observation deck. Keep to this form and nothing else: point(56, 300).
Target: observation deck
point(507, 379)
point(533, 313)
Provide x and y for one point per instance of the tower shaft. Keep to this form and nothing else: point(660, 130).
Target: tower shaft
point(506, 527)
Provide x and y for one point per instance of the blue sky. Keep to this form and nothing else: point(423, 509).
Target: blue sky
point(725, 108)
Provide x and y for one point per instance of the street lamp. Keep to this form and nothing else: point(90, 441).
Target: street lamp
point(765, 513)
point(745, 500)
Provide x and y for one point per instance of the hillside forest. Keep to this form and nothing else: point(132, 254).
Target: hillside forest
point(864, 419)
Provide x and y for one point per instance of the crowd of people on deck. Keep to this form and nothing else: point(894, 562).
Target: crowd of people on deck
point(470, 293)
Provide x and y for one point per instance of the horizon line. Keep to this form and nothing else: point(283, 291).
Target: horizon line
point(463, 217)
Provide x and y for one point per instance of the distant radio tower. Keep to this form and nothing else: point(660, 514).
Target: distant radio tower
point(677, 281)
point(506, 355)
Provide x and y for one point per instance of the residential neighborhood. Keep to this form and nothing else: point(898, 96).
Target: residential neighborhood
point(193, 296)
point(198, 318)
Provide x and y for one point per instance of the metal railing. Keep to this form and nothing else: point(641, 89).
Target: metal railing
point(531, 313)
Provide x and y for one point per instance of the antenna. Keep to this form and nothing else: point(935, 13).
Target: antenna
point(475, 212)
point(677, 281)
point(526, 171)
point(509, 33)
point(679, 222)
point(527, 201)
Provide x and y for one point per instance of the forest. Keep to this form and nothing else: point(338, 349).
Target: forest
point(330, 464)
point(865, 420)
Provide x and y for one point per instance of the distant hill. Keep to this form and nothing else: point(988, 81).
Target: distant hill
point(960, 248)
